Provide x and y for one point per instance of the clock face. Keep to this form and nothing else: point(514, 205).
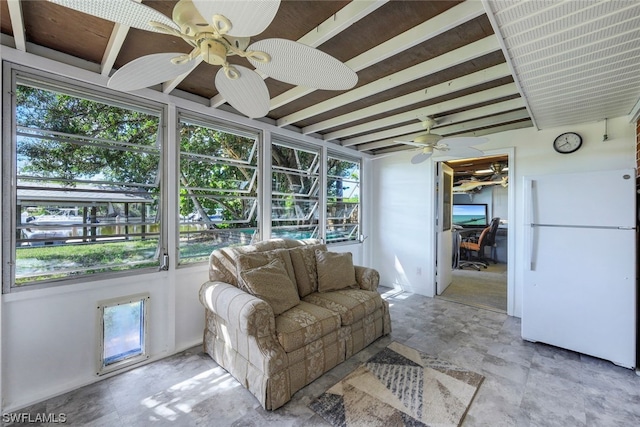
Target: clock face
point(567, 142)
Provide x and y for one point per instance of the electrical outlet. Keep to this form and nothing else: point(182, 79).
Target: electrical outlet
point(419, 271)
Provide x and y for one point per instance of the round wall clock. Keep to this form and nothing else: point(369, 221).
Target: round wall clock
point(567, 143)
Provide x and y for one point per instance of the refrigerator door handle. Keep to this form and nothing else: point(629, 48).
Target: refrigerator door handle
point(532, 247)
point(531, 222)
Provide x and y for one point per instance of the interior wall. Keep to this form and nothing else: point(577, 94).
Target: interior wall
point(404, 207)
point(51, 337)
point(403, 213)
point(495, 196)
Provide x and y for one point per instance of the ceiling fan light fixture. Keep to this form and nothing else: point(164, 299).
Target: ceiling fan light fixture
point(213, 51)
point(498, 167)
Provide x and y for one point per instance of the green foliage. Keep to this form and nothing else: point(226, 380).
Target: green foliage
point(62, 157)
point(215, 165)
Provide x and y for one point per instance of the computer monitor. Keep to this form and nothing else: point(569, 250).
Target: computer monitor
point(470, 215)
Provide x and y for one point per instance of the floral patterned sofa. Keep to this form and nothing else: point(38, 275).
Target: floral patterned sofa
point(282, 312)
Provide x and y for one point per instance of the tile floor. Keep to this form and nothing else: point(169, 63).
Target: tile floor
point(526, 384)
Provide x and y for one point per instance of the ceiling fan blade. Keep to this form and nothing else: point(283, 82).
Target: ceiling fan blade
point(464, 141)
point(299, 64)
point(149, 70)
point(248, 93)
point(420, 157)
point(414, 144)
point(125, 12)
point(458, 153)
point(248, 18)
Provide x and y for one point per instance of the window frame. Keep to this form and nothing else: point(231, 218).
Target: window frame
point(194, 118)
point(359, 238)
point(310, 148)
point(14, 74)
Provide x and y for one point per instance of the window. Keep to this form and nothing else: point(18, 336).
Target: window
point(123, 328)
point(86, 174)
point(295, 190)
point(218, 188)
point(343, 199)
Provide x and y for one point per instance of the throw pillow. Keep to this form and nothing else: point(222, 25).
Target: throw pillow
point(272, 284)
point(303, 259)
point(252, 260)
point(335, 271)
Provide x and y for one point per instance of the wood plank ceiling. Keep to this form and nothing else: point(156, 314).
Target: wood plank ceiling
point(413, 58)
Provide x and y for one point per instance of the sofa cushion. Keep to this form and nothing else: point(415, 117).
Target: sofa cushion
point(335, 271)
point(304, 324)
point(271, 283)
point(248, 261)
point(352, 304)
point(222, 262)
point(303, 259)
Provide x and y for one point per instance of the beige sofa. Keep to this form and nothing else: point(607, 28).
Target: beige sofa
point(275, 348)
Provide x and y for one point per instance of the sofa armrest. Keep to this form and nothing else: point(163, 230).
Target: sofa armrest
point(238, 309)
point(367, 278)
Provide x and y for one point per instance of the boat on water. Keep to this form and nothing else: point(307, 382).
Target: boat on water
point(64, 216)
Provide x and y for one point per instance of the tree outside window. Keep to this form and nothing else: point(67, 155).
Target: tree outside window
point(87, 185)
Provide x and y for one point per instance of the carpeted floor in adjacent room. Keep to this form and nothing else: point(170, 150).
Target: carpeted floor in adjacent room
point(486, 288)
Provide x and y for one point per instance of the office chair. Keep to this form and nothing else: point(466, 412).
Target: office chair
point(472, 245)
point(491, 239)
point(487, 238)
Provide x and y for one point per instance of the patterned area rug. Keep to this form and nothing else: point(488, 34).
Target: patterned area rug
point(400, 386)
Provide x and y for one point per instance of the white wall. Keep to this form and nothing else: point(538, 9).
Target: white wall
point(403, 207)
point(402, 241)
point(51, 335)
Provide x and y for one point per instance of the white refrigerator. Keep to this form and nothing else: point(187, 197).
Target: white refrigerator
point(579, 289)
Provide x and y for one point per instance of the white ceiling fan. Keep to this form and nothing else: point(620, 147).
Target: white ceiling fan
point(217, 29)
point(431, 143)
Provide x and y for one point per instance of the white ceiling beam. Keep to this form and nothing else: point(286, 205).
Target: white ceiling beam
point(469, 125)
point(464, 82)
point(455, 57)
point(501, 128)
point(338, 22)
point(406, 130)
point(17, 24)
point(435, 26)
point(170, 85)
point(118, 35)
point(460, 102)
point(114, 45)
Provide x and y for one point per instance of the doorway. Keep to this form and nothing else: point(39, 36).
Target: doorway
point(480, 194)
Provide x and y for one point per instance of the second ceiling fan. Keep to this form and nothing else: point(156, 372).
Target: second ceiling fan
point(430, 143)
